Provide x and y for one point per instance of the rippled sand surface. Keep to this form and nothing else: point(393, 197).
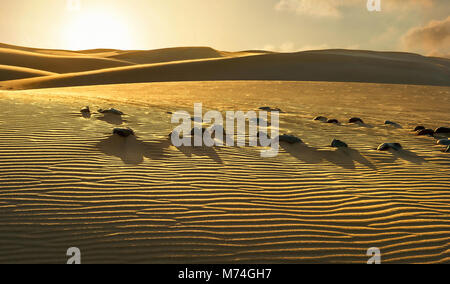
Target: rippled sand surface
point(65, 181)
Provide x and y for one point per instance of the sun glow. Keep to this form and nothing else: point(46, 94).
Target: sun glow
point(97, 29)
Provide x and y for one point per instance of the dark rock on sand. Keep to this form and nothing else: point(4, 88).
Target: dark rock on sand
point(445, 142)
point(338, 144)
point(110, 111)
point(270, 109)
point(123, 132)
point(290, 139)
point(85, 110)
point(442, 130)
point(425, 132)
point(333, 121)
point(418, 128)
point(355, 120)
point(395, 124)
point(387, 146)
point(321, 118)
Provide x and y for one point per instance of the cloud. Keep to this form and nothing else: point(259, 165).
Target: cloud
point(320, 8)
point(395, 5)
point(431, 39)
point(334, 8)
point(291, 47)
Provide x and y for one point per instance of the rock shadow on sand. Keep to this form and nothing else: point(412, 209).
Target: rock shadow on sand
point(111, 119)
point(402, 155)
point(202, 151)
point(342, 157)
point(131, 150)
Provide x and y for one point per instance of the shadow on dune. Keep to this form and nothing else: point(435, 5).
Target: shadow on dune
point(132, 151)
point(404, 155)
point(111, 119)
point(342, 157)
point(201, 152)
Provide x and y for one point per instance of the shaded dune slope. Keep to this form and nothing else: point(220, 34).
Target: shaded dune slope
point(168, 54)
point(334, 66)
point(13, 73)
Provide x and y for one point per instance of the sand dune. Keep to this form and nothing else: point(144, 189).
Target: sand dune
point(140, 200)
point(168, 54)
point(329, 65)
point(55, 63)
point(40, 50)
point(13, 73)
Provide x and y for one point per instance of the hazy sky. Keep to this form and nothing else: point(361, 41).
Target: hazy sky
point(284, 25)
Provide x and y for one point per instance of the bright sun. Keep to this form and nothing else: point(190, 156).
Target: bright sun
point(90, 30)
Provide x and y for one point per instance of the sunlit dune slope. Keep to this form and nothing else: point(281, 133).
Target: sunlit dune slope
point(328, 65)
point(12, 73)
point(40, 50)
point(56, 63)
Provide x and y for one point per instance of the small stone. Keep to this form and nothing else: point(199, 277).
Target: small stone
point(110, 111)
point(270, 109)
point(387, 146)
point(425, 132)
point(338, 144)
point(355, 120)
point(123, 132)
point(85, 110)
point(445, 142)
point(418, 128)
point(290, 139)
point(333, 121)
point(442, 130)
point(321, 118)
point(387, 122)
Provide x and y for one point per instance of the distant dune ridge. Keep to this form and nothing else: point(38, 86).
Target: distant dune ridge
point(168, 54)
point(107, 66)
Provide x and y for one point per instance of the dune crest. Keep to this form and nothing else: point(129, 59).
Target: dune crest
point(14, 73)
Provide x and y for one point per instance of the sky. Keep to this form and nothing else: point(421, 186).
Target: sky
point(421, 26)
